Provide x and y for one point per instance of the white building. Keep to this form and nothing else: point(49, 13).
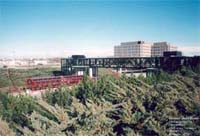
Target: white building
point(133, 49)
point(159, 47)
point(40, 62)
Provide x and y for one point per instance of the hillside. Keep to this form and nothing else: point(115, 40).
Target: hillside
point(109, 106)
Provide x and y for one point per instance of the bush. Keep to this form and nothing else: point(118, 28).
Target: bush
point(108, 106)
point(155, 79)
point(61, 96)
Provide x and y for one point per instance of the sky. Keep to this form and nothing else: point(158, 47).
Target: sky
point(50, 28)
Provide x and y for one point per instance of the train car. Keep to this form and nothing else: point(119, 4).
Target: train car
point(52, 82)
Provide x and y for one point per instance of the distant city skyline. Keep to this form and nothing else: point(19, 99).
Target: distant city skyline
point(59, 29)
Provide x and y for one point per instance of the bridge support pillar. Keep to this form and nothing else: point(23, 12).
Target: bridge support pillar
point(90, 73)
point(93, 72)
point(119, 70)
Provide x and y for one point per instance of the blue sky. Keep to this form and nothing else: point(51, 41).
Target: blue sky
point(52, 28)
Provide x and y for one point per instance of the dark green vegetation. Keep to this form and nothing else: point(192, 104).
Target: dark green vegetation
point(109, 106)
point(18, 76)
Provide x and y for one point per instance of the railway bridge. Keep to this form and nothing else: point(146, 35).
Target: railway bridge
point(78, 63)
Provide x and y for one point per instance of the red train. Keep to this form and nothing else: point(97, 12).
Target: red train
point(52, 82)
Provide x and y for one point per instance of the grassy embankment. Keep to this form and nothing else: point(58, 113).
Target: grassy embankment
point(18, 76)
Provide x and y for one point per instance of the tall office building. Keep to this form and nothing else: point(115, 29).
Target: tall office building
point(159, 48)
point(133, 49)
